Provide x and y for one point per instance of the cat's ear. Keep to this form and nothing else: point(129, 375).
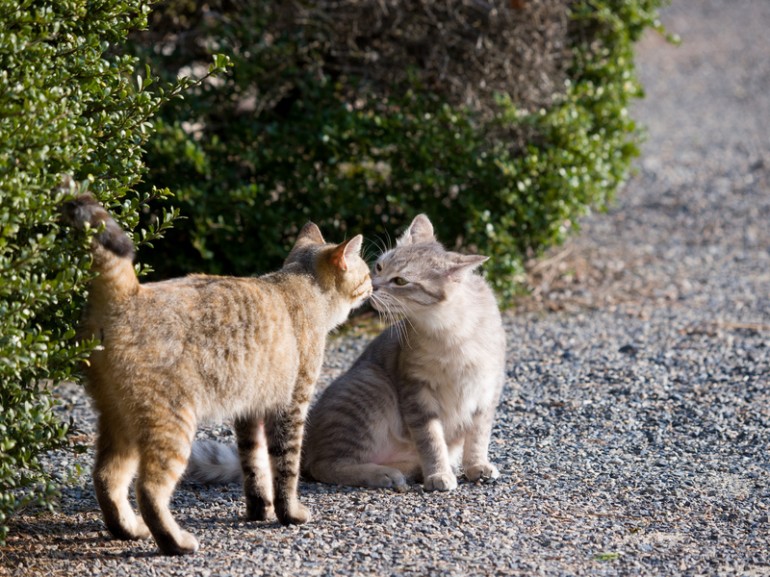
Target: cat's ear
point(421, 230)
point(310, 234)
point(345, 251)
point(462, 264)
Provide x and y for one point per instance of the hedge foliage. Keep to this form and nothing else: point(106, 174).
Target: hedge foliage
point(503, 121)
point(70, 106)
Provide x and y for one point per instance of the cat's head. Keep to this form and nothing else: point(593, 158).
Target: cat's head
point(419, 273)
point(338, 268)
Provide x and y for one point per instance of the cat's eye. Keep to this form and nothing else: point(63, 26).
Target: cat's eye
point(400, 281)
point(378, 267)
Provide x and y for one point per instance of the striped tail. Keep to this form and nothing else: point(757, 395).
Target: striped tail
point(112, 249)
point(213, 463)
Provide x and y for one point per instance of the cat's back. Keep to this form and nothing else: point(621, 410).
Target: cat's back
point(370, 381)
point(219, 341)
point(376, 368)
point(481, 298)
point(362, 399)
point(204, 320)
point(219, 300)
point(483, 315)
point(197, 301)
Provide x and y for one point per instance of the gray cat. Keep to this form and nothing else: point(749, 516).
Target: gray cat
point(421, 399)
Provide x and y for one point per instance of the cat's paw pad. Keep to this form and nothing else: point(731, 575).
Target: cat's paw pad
point(296, 514)
point(440, 482)
point(481, 472)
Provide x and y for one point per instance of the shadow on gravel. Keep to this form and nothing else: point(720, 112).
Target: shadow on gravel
point(49, 537)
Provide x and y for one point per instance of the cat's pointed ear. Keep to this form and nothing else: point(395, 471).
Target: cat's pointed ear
point(310, 233)
point(465, 263)
point(345, 251)
point(421, 230)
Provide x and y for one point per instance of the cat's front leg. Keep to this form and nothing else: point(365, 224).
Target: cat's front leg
point(255, 464)
point(428, 435)
point(476, 464)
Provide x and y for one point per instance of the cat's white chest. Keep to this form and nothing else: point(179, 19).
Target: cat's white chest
point(458, 384)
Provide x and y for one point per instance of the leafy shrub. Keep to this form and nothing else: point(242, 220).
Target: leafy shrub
point(505, 125)
point(68, 106)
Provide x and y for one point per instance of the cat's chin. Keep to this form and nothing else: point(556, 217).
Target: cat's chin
point(360, 302)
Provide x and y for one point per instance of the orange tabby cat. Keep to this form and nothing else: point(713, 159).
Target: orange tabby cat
point(172, 353)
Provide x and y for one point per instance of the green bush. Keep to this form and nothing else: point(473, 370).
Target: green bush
point(69, 106)
point(504, 125)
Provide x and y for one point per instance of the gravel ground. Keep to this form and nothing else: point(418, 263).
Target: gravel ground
point(634, 431)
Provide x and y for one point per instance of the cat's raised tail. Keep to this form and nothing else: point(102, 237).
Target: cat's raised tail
point(112, 249)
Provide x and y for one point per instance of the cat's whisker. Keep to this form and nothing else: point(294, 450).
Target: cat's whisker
point(370, 245)
point(384, 309)
point(380, 245)
point(407, 319)
point(404, 335)
point(388, 243)
point(396, 320)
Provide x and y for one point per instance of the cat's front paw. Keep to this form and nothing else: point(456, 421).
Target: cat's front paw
point(184, 544)
point(131, 530)
point(481, 472)
point(259, 510)
point(141, 531)
point(294, 514)
point(440, 482)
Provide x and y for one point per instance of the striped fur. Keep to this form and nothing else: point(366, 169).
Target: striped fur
point(420, 401)
point(176, 352)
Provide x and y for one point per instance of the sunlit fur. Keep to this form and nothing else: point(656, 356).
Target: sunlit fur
point(176, 352)
point(419, 403)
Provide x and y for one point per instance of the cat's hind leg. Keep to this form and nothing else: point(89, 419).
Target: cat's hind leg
point(114, 469)
point(284, 440)
point(372, 475)
point(166, 446)
point(255, 464)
